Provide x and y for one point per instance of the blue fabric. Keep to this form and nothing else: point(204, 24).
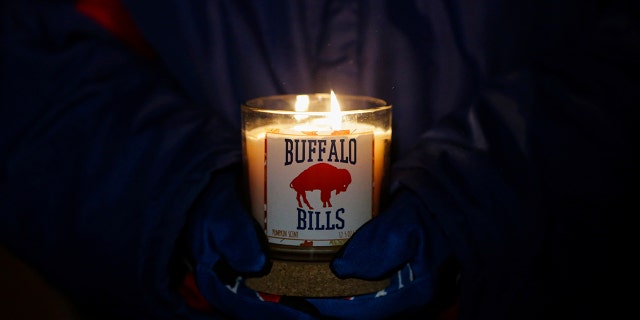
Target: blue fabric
point(225, 244)
point(514, 150)
point(102, 159)
point(401, 238)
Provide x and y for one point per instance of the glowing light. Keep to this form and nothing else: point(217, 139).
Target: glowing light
point(331, 122)
point(302, 102)
point(302, 105)
point(335, 115)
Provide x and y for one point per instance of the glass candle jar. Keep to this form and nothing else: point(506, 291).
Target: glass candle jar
point(315, 167)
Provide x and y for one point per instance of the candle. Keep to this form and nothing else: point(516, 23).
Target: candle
point(315, 172)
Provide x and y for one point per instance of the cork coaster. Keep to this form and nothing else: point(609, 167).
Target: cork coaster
point(310, 279)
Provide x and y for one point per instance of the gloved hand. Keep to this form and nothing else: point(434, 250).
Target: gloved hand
point(225, 244)
point(402, 243)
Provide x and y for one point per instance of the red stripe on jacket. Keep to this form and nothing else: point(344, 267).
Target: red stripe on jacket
point(114, 17)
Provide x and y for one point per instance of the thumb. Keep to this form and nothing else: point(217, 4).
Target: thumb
point(228, 231)
point(384, 244)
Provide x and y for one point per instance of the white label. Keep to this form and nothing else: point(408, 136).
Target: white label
point(319, 188)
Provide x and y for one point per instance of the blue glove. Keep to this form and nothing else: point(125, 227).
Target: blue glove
point(226, 245)
point(400, 243)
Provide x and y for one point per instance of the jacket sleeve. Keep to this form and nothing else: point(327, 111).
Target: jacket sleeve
point(101, 159)
point(531, 179)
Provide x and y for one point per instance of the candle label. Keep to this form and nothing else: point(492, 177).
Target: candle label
point(319, 188)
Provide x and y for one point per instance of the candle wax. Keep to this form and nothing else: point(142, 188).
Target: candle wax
point(308, 219)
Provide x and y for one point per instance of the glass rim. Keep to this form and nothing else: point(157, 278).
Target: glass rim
point(377, 104)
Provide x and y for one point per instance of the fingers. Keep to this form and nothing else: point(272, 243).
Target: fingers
point(238, 241)
point(384, 244)
point(228, 231)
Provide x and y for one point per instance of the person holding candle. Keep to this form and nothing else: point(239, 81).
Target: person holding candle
point(512, 153)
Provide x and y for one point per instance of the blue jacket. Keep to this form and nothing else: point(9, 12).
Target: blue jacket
point(513, 122)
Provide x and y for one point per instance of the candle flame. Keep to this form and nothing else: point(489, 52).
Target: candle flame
point(302, 105)
point(302, 102)
point(332, 121)
point(335, 116)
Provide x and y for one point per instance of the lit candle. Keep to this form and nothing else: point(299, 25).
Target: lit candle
point(315, 171)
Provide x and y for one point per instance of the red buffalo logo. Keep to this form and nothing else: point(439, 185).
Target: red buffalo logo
point(323, 177)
